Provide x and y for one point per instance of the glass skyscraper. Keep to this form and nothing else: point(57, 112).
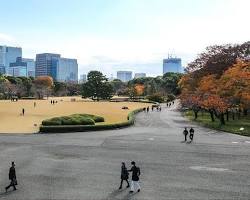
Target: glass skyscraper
point(60, 69)
point(8, 55)
point(124, 76)
point(172, 65)
point(44, 63)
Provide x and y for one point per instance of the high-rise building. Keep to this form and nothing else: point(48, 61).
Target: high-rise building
point(44, 63)
point(22, 67)
point(83, 78)
point(172, 65)
point(65, 70)
point(8, 55)
point(60, 69)
point(140, 75)
point(124, 76)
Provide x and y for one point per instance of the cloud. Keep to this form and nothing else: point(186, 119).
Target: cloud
point(5, 38)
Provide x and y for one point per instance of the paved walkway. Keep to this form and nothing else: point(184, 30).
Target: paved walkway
point(86, 166)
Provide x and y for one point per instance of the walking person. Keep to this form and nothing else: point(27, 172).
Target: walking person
point(12, 177)
point(34, 104)
point(191, 134)
point(135, 178)
point(23, 111)
point(185, 133)
point(124, 175)
point(147, 109)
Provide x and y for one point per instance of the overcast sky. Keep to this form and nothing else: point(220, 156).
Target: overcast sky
point(111, 35)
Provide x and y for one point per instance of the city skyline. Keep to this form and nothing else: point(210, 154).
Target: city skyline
point(122, 35)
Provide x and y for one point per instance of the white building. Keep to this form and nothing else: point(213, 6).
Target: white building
point(124, 76)
point(140, 75)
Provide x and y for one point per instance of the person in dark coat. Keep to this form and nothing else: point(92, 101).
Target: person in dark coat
point(12, 177)
point(191, 134)
point(185, 133)
point(124, 175)
point(135, 178)
point(23, 111)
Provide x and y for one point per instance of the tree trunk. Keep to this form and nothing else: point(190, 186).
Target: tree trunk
point(227, 114)
point(233, 116)
point(195, 114)
point(211, 115)
point(222, 120)
point(245, 112)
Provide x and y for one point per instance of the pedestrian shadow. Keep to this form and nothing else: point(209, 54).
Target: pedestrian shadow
point(4, 194)
point(189, 142)
point(115, 193)
point(129, 196)
point(183, 141)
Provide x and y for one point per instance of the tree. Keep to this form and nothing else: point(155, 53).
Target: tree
point(97, 86)
point(118, 85)
point(60, 88)
point(43, 84)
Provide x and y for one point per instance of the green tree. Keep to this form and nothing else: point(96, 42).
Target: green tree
point(97, 86)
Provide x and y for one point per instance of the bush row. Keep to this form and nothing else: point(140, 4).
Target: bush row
point(82, 128)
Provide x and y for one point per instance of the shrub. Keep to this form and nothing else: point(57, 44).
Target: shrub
point(82, 128)
point(76, 119)
point(156, 98)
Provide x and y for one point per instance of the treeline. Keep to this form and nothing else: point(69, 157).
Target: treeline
point(97, 87)
point(156, 89)
point(218, 81)
point(40, 87)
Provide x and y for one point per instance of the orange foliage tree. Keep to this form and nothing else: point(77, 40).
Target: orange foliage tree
point(43, 84)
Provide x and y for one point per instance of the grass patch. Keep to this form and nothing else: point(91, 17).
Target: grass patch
point(232, 126)
point(75, 119)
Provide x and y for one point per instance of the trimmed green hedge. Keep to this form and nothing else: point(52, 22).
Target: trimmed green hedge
point(82, 128)
point(75, 119)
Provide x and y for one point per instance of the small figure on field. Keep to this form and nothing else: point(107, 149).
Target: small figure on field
point(51, 102)
point(12, 177)
point(185, 133)
point(135, 178)
point(124, 175)
point(147, 109)
point(191, 134)
point(34, 104)
point(23, 111)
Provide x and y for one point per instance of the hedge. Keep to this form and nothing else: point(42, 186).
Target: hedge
point(75, 119)
point(82, 128)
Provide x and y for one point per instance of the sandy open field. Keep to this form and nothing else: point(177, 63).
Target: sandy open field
point(11, 120)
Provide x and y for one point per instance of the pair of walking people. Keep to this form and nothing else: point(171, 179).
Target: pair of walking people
point(191, 134)
point(135, 186)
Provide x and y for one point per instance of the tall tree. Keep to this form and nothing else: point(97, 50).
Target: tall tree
point(97, 86)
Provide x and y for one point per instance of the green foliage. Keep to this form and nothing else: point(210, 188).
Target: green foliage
point(97, 87)
point(81, 128)
point(232, 126)
point(75, 119)
point(156, 98)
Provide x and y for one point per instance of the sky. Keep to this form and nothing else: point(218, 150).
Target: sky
point(112, 35)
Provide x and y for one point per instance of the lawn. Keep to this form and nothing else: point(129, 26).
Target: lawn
point(11, 120)
point(232, 126)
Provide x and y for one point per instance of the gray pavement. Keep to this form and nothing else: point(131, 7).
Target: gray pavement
point(86, 166)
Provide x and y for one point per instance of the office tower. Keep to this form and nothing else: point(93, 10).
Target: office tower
point(172, 65)
point(8, 55)
point(140, 75)
point(22, 67)
point(124, 76)
point(65, 70)
point(44, 63)
point(31, 68)
point(83, 78)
